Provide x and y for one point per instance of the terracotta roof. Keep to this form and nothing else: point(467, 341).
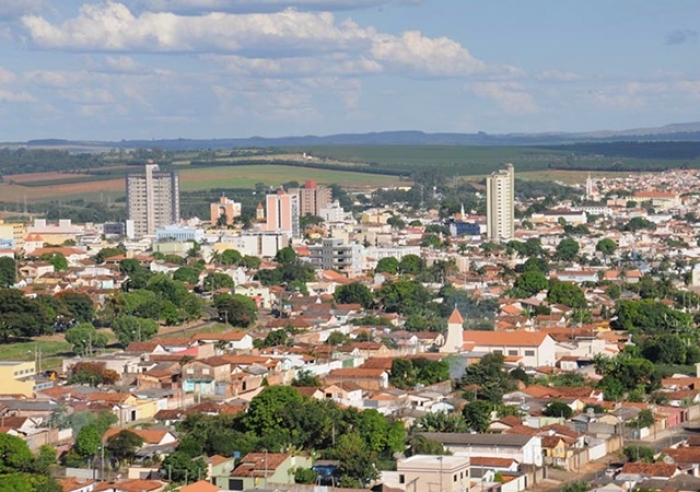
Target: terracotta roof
point(130, 485)
point(71, 484)
point(504, 338)
point(148, 436)
point(455, 318)
point(201, 486)
point(487, 462)
point(142, 346)
point(229, 336)
point(684, 455)
point(256, 464)
point(356, 372)
point(650, 469)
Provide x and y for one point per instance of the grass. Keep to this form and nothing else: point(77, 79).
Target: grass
point(52, 352)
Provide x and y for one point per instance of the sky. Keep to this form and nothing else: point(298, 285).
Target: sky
point(154, 69)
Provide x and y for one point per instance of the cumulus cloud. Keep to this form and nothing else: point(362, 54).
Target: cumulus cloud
point(510, 96)
point(11, 9)
point(244, 6)
point(630, 95)
point(680, 36)
point(9, 96)
point(273, 43)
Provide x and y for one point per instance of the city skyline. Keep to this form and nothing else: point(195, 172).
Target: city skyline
point(108, 70)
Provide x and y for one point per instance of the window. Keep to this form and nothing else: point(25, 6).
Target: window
point(190, 371)
point(512, 352)
point(454, 477)
point(498, 352)
point(402, 478)
point(529, 353)
point(205, 371)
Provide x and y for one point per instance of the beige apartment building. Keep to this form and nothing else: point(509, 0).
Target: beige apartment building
point(313, 198)
point(224, 207)
point(18, 378)
point(500, 204)
point(153, 199)
point(283, 213)
point(14, 232)
point(426, 473)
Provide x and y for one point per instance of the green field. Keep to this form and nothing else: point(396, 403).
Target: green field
point(52, 352)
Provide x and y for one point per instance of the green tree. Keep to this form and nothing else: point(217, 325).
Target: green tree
point(477, 415)
point(130, 328)
point(337, 338)
point(236, 309)
point(8, 272)
point(80, 306)
point(306, 379)
point(85, 337)
point(354, 293)
point(558, 409)
point(22, 316)
point(310, 220)
point(532, 282)
point(123, 446)
point(423, 445)
point(262, 416)
point(358, 461)
point(606, 246)
point(231, 257)
point(14, 455)
point(304, 475)
point(644, 454)
point(251, 262)
point(411, 265)
point(286, 255)
point(490, 377)
point(45, 459)
point(576, 486)
point(88, 441)
point(568, 294)
point(387, 265)
point(180, 467)
point(405, 297)
point(567, 249)
point(215, 281)
point(186, 274)
point(440, 422)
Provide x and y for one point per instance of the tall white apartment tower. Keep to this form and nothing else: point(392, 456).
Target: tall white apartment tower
point(153, 199)
point(500, 208)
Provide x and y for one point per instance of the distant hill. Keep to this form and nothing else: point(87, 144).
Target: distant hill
point(672, 132)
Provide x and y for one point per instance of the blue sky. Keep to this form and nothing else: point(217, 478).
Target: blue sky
point(235, 68)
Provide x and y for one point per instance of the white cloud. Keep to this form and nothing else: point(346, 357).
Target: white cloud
point(8, 96)
point(627, 96)
point(557, 76)
point(510, 96)
point(691, 87)
point(6, 76)
point(275, 43)
point(10, 9)
point(238, 6)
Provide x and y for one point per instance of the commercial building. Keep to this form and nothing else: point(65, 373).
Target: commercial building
point(500, 204)
point(334, 254)
point(427, 472)
point(283, 213)
point(153, 199)
point(179, 234)
point(18, 378)
point(313, 198)
point(12, 233)
point(251, 243)
point(224, 207)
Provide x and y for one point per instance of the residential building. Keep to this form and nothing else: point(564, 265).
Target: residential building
point(500, 204)
point(152, 199)
point(224, 207)
point(423, 472)
point(17, 378)
point(332, 213)
point(257, 470)
point(12, 232)
point(530, 349)
point(283, 213)
point(525, 449)
point(313, 198)
point(334, 254)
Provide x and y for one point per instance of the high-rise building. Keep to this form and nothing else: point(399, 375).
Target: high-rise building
point(153, 199)
point(227, 207)
point(500, 204)
point(313, 198)
point(283, 213)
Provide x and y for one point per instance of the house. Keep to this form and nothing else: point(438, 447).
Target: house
point(211, 376)
point(524, 449)
point(149, 437)
point(367, 379)
point(258, 470)
point(200, 486)
point(427, 472)
point(230, 340)
point(346, 390)
point(532, 349)
point(73, 485)
point(136, 485)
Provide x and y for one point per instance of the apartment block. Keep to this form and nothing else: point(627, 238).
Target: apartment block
point(153, 199)
point(225, 207)
point(283, 213)
point(313, 198)
point(500, 204)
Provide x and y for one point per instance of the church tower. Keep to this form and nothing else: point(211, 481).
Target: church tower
point(455, 329)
